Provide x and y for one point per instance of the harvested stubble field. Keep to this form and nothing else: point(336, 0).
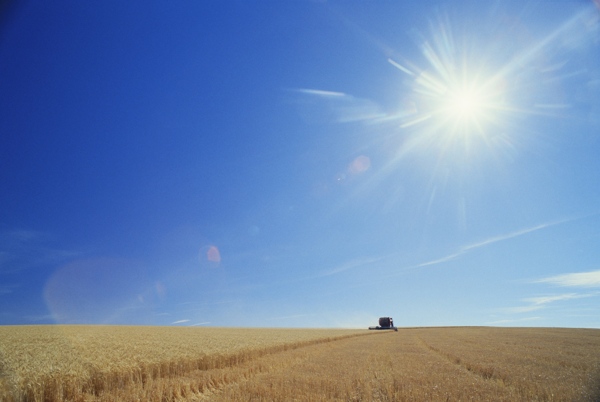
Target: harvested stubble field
point(218, 364)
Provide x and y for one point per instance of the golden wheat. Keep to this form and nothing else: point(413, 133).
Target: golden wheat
point(434, 364)
point(102, 364)
point(55, 363)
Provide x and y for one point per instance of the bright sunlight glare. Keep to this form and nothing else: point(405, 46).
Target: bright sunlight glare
point(464, 104)
point(449, 104)
point(469, 108)
point(459, 91)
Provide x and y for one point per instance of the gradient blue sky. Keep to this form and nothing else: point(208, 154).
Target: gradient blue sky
point(300, 163)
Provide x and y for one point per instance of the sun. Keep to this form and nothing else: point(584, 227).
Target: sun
point(458, 91)
point(464, 104)
point(467, 107)
point(454, 99)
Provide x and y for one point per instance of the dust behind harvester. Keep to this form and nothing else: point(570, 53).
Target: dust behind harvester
point(385, 323)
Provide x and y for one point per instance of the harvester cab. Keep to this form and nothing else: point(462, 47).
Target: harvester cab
point(385, 323)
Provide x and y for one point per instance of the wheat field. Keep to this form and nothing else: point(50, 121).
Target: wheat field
point(434, 364)
point(102, 363)
point(55, 363)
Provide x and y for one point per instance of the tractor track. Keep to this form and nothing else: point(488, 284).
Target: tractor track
point(206, 383)
point(486, 373)
point(280, 362)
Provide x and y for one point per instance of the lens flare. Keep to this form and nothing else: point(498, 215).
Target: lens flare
point(213, 254)
point(209, 256)
point(360, 164)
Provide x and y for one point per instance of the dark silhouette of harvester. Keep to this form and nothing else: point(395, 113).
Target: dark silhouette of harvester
point(385, 323)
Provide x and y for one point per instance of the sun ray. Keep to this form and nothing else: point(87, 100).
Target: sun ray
point(472, 102)
point(456, 95)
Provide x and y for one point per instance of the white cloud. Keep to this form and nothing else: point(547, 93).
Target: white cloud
point(490, 241)
point(440, 260)
point(538, 303)
point(501, 322)
point(523, 309)
point(345, 108)
point(322, 93)
point(23, 249)
point(512, 235)
point(352, 264)
point(179, 322)
point(589, 279)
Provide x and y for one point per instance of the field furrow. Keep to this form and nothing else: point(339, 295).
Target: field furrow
point(388, 367)
point(537, 365)
point(450, 365)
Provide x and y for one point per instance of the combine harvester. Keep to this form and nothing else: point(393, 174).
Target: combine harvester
point(385, 323)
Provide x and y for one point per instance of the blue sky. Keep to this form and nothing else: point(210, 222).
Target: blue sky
point(300, 164)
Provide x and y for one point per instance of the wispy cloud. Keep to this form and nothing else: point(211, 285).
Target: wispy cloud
point(345, 108)
point(23, 249)
point(509, 321)
point(523, 309)
point(490, 241)
point(589, 279)
point(540, 302)
point(180, 322)
point(200, 323)
point(447, 258)
point(322, 93)
point(352, 264)
point(578, 280)
point(21, 235)
point(7, 289)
